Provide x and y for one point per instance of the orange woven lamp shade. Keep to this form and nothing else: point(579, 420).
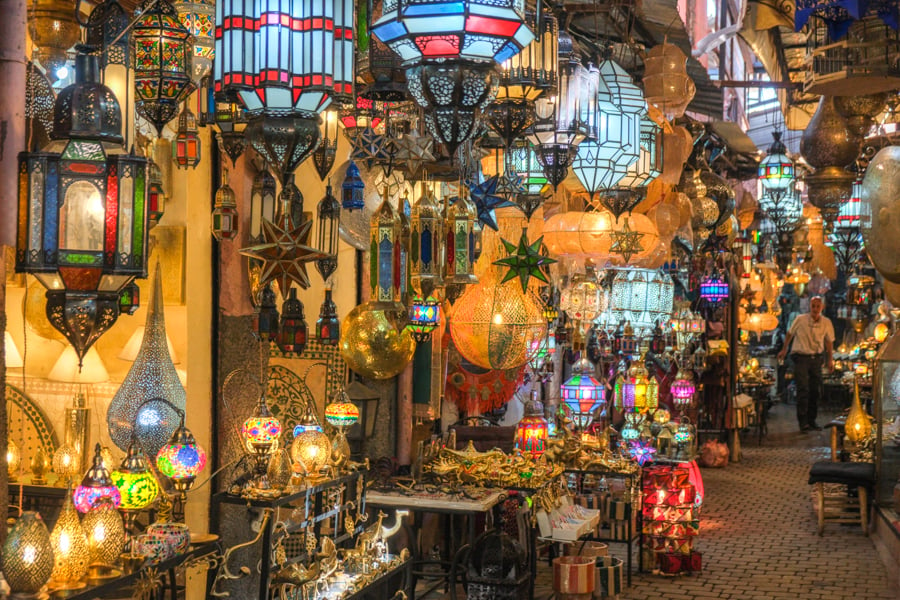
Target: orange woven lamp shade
point(576, 234)
point(497, 326)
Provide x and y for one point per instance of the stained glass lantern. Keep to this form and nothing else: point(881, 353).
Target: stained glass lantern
point(583, 299)
point(523, 161)
point(776, 170)
point(532, 431)
point(637, 391)
point(426, 235)
point(641, 297)
point(225, 215)
point(263, 200)
point(713, 289)
point(181, 460)
point(156, 193)
point(860, 290)
point(384, 255)
point(583, 394)
point(424, 317)
point(162, 51)
point(291, 338)
point(27, 556)
point(266, 318)
point(83, 219)
point(461, 241)
point(199, 18)
point(186, 145)
point(682, 390)
point(328, 326)
point(327, 233)
point(136, 483)
point(743, 249)
point(352, 189)
point(96, 486)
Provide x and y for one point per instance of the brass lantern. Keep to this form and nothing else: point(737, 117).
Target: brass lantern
point(186, 145)
point(83, 217)
point(53, 30)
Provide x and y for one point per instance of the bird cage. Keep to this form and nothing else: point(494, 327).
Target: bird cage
point(863, 62)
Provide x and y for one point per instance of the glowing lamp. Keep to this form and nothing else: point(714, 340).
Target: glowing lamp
point(682, 391)
point(307, 422)
point(66, 462)
point(341, 415)
point(13, 460)
point(70, 548)
point(881, 332)
point(858, 426)
point(424, 317)
point(713, 289)
point(532, 430)
point(96, 487)
point(582, 393)
point(105, 533)
point(27, 556)
point(311, 450)
point(776, 170)
point(181, 460)
point(135, 481)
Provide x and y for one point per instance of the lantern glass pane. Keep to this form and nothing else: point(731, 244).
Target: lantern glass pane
point(126, 213)
point(81, 218)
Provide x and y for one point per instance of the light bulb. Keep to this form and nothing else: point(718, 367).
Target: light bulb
point(29, 554)
point(62, 72)
point(498, 319)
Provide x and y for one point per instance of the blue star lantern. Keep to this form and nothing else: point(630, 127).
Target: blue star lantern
point(486, 199)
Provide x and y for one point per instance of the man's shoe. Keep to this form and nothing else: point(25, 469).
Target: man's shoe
point(815, 427)
point(804, 429)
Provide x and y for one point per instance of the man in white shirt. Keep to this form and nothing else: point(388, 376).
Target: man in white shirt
point(812, 335)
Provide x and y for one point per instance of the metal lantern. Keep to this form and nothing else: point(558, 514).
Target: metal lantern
point(263, 200)
point(713, 289)
point(53, 29)
point(225, 215)
point(96, 486)
point(460, 244)
point(352, 189)
point(424, 317)
point(776, 170)
point(83, 219)
point(70, 548)
point(426, 237)
point(641, 297)
point(292, 330)
point(326, 152)
point(162, 50)
point(532, 431)
point(666, 82)
point(156, 194)
point(266, 318)
point(682, 390)
point(327, 234)
point(582, 393)
point(384, 255)
point(181, 460)
point(328, 326)
point(199, 18)
point(186, 145)
point(135, 481)
point(27, 556)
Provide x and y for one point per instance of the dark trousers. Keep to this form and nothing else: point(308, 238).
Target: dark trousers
point(808, 377)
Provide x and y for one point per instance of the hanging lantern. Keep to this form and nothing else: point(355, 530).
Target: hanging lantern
point(96, 486)
point(580, 235)
point(713, 289)
point(636, 390)
point(352, 189)
point(225, 215)
point(424, 317)
point(583, 394)
point(329, 216)
point(83, 232)
point(426, 235)
point(326, 152)
point(374, 340)
point(186, 145)
point(328, 326)
point(181, 460)
point(860, 290)
point(291, 336)
point(524, 163)
point(70, 548)
point(649, 164)
point(384, 255)
point(53, 29)
point(667, 85)
point(263, 199)
point(156, 194)
point(682, 390)
point(460, 245)
point(532, 431)
point(162, 48)
point(776, 170)
point(640, 297)
point(199, 18)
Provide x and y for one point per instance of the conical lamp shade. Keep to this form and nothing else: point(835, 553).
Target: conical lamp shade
point(152, 377)
point(13, 358)
point(65, 368)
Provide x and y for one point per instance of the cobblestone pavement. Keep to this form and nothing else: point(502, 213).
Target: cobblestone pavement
point(758, 533)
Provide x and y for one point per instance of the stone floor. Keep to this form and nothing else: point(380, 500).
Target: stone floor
point(758, 533)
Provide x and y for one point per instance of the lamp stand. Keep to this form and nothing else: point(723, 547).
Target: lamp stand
point(77, 420)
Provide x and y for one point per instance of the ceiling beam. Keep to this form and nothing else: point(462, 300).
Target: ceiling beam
point(753, 83)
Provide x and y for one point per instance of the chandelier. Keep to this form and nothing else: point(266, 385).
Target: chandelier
point(641, 297)
point(846, 239)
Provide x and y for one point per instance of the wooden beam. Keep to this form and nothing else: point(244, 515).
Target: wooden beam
point(752, 83)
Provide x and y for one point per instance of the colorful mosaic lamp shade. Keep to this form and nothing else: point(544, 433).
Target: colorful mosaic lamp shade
point(532, 430)
point(776, 170)
point(424, 318)
point(96, 487)
point(284, 57)
point(713, 289)
point(162, 51)
point(262, 430)
point(342, 414)
point(682, 390)
point(135, 481)
point(582, 393)
point(83, 213)
point(307, 422)
point(181, 460)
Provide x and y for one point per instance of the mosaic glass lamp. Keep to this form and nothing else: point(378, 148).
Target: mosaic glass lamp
point(136, 483)
point(162, 52)
point(261, 433)
point(714, 289)
point(27, 556)
point(96, 486)
point(583, 393)
point(181, 460)
point(83, 214)
point(341, 414)
point(424, 317)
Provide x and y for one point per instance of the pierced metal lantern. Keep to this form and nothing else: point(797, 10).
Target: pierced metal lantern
point(53, 29)
point(327, 234)
point(263, 200)
point(186, 145)
point(460, 244)
point(352, 189)
point(107, 32)
point(326, 152)
point(162, 50)
point(384, 255)
point(83, 219)
point(426, 235)
point(328, 326)
point(291, 336)
point(225, 215)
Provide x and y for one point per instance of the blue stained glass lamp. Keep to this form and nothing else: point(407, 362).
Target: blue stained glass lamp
point(713, 289)
point(384, 256)
point(582, 393)
point(352, 189)
point(776, 170)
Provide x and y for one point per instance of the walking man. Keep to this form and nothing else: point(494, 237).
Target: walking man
point(812, 335)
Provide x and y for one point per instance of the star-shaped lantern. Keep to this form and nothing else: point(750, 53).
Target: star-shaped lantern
point(641, 452)
point(626, 242)
point(284, 252)
point(369, 148)
point(525, 261)
point(413, 151)
point(486, 199)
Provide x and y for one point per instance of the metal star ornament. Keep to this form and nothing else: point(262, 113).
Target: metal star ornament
point(284, 252)
point(413, 151)
point(525, 261)
point(369, 147)
point(626, 242)
point(486, 199)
